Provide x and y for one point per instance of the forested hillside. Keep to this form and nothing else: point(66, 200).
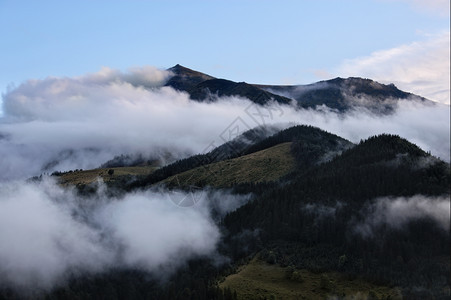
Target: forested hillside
point(325, 218)
point(370, 212)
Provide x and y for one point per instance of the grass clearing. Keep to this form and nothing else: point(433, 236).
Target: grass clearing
point(266, 165)
point(260, 280)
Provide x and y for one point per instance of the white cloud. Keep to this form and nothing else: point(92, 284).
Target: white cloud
point(421, 67)
point(82, 122)
point(152, 232)
point(48, 234)
point(72, 123)
point(425, 125)
point(40, 240)
point(397, 212)
point(146, 76)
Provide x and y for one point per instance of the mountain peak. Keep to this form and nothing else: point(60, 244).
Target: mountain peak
point(185, 79)
point(181, 70)
point(177, 68)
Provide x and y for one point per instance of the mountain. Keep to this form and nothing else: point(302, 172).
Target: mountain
point(343, 94)
point(308, 216)
point(337, 215)
point(267, 160)
point(325, 218)
point(306, 144)
point(213, 88)
point(185, 79)
point(340, 94)
point(203, 87)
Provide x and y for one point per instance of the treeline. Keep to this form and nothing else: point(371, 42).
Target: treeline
point(309, 144)
point(232, 149)
point(129, 161)
point(59, 173)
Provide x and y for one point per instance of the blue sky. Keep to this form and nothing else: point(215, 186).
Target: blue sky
point(277, 42)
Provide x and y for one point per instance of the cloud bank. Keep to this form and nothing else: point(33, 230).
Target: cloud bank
point(48, 234)
point(67, 123)
point(427, 126)
point(59, 124)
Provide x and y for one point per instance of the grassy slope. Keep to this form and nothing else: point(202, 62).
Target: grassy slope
point(89, 176)
point(266, 165)
point(260, 280)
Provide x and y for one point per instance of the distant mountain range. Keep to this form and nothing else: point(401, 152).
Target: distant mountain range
point(339, 94)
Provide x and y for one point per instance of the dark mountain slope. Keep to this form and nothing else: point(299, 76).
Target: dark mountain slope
point(203, 87)
point(220, 87)
point(229, 150)
point(312, 221)
point(340, 94)
point(344, 94)
point(270, 159)
point(384, 165)
point(381, 148)
point(308, 145)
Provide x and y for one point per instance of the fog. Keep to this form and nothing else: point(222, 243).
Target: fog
point(425, 125)
point(48, 233)
point(396, 212)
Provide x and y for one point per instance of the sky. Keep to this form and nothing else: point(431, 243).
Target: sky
point(289, 42)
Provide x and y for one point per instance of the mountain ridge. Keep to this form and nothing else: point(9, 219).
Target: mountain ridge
point(339, 94)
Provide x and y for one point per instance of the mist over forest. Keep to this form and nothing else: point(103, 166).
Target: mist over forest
point(131, 185)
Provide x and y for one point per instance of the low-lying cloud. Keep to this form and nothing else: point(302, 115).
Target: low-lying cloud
point(397, 212)
point(59, 124)
point(425, 125)
point(72, 123)
point(48, 234)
